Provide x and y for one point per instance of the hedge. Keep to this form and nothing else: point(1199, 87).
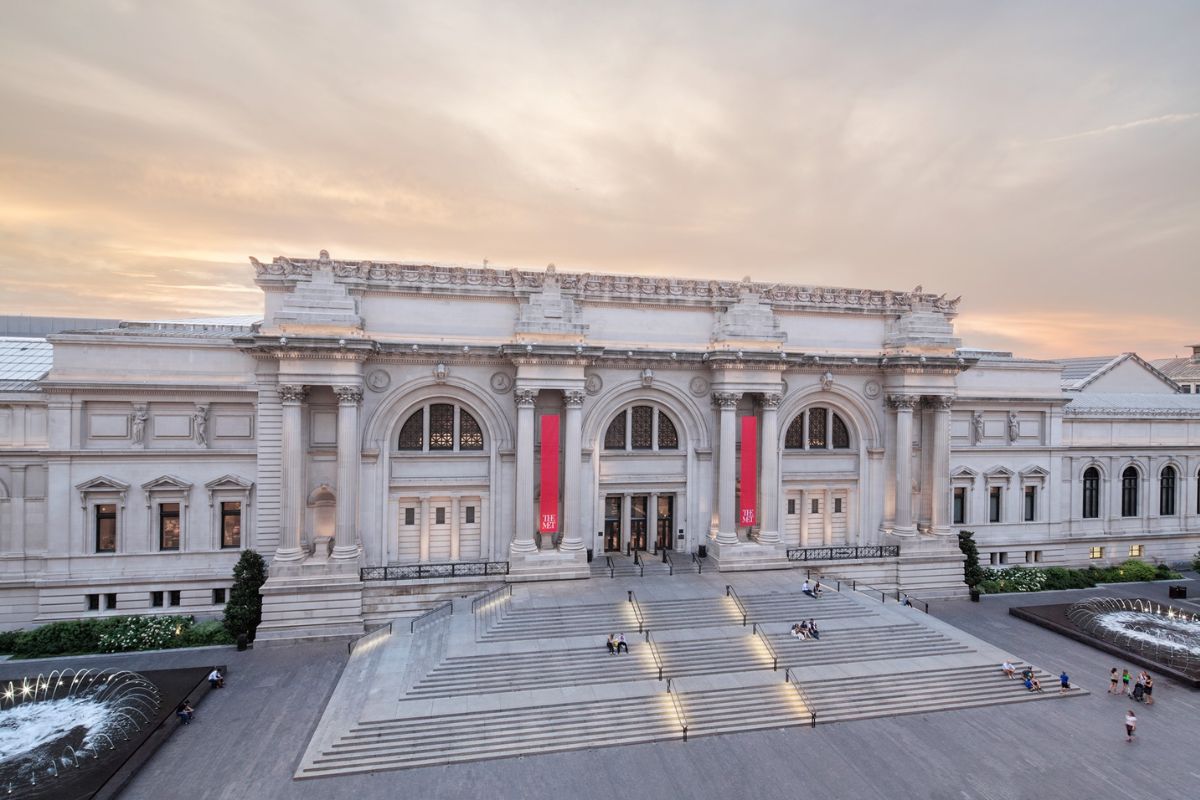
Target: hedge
point(112, 635)
point(1025, 579)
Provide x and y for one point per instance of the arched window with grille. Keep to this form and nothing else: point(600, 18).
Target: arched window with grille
point(1129, 492)
point(440, 427)
point(1091, 493)
point(817, 428)
point(641, 427)
point(1166, 492)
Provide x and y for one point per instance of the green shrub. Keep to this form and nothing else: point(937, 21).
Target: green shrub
point(1196, 561)
point(1164, 573)
point(243, 612)
point(207, 633)
point(128, 634)
point(1063, 578)
point(989, 587)
point(8, 640)
point(972, 572)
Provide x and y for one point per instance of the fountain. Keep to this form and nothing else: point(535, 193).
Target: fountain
point(1166, 635)
point(48, 722)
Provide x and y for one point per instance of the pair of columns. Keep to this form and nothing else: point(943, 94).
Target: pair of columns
point(903, 406)
point(768, 442)
point(572, 453)
point(826, 497)
point(294, 500)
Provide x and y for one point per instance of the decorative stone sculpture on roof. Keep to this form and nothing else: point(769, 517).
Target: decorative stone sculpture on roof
point(748, 318)
point(548, 311)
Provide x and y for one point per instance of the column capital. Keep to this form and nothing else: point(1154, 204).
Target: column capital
point(772, 400)
point(348, 395)
point(726, 399)
point(525, 397)
point(902, 402)
point(939, 402)
point(574, 398)
point(292, 392)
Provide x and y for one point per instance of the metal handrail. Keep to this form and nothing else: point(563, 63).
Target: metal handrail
point(789, 677)
point(657, 657)
point(678, 710)
point(452, 569)
point(641, 565)
point(913, 601)
point(445, 609)
point(843, 553)
point(762, 637)
point(353, 643)
point(637, 612)
point(612, 571)
point(669, 562)
point(866, 588)
point(729, 592)
point(699, 566)
point(487, 601)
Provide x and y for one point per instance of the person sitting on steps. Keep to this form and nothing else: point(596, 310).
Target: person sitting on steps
point(612, 644)
point(185, 712)
point(622, 643)
point(806, 588)
point(812, 629)
point(817, 590)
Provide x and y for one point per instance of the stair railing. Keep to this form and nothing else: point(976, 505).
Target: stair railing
point(488, 604)
point(679, 715)
point(657, 656)
point(375, 634)
point(612, 570)
point(790, 677)
point(641, 565)
point(670, 564)
point(869, 591)
point(699, 565)
point(729, 592)
point(762, 637)
point(637, 612)
point(445, 609)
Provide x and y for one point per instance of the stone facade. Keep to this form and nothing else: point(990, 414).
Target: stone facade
point(384, 413)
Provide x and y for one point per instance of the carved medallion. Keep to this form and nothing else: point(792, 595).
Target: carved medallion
point(501, 383)
point(698, 386)
point(593, 384)
point(872, 389)
point(378, 380)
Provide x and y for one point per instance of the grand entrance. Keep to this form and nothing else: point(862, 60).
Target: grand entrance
point(630, 520)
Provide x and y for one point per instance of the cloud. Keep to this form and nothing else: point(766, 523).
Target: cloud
point(1164, 119)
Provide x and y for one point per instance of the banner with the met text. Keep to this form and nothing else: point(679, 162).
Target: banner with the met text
point(747, 500)
point(548, 503)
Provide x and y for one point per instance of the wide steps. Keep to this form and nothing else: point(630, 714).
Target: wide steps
point(603, 619)
point(540, 669)
point(864, 644)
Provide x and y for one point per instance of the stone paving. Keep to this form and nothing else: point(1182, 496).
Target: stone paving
point(251, 735)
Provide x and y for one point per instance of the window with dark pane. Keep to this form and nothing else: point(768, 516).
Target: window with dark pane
point(412, 434)
point(470, 515)
point(668, 438)
point(794, 438)
point(614, 437)
point(439, 515)
point(106, 528)
point(816, 428)
point(1129, 492)
point(841, 436)
point(168, 526)
point(470, 437)
point(231, 524)
point(643, 428)
point(1091, 493)
point(1166, 492)
point(441, 426)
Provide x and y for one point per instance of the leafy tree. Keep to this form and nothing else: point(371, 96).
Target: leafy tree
point(972, 572)
point(243, 611)
point(1196, 561)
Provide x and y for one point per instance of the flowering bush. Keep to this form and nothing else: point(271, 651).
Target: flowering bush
point(144, 633)
point(115, 635)
point(1023, 579)
point(1013, 579)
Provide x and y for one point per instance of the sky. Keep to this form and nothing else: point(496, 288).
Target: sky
point(1040, 159)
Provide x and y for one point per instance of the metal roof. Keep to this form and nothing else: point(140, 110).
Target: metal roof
point(23, 360)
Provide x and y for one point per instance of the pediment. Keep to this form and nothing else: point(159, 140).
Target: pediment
point(229, 482)
point(999, 471)
point(1035, 471)
point(167, 483)
point(103, 483)
point(964, 472)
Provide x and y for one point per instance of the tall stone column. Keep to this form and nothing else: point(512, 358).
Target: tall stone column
point(940, 520)
point(727, 468)
point(903, 405)
point(769, 447)
point(522, 541)
point(291, 532)
point(804, 505)
point(827, 516)
point(345, 545)
point(423, 551)
point(485, 530)
point(573, 454)
point(455, 529)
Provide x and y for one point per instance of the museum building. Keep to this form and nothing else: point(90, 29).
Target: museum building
point(523, 425)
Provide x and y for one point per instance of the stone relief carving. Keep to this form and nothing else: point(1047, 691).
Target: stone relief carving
point(976, 427)
point(440, 373)
point(698, 386)
point(872, 389)
point(896, 402)
point(941, 402)
point(573, 398)
point(501, 383)
point(1014, 427)
point(378, 380)
point(826, 381)
point(200, 425)
point(137, 424)
point(647, 377)
point(292, 393)
point(726, 399)
point(348, 394)
point(525, 397)
point(593, 384)
point(771, 400)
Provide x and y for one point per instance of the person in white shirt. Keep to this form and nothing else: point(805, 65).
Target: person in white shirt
point(1009, 669)
point(1130, 725)
point(215, 679)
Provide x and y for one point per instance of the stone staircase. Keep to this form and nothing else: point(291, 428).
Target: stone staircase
point(601, 619)
point(384, 601)
point(865, 644)
point(793, 607)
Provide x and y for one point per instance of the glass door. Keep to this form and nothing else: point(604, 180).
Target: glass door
point(664, 536)
point(612, 523)
point(639, 505)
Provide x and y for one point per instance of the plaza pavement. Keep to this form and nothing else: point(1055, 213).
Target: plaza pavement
point(250, 737)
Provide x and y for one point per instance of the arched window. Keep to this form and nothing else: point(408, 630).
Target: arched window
point(1091, 493)
point(818, 428)
point(440, 427)
point(641, 428)
point(1166, 492)
point(1129, 492)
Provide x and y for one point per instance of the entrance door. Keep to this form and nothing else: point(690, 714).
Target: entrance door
point(664, 536)
point(639, 506)
point(612, 523)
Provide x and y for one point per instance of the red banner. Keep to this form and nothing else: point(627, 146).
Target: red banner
point(747, 501)
point(548, 504)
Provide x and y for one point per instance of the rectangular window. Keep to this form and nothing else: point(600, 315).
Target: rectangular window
point(470, 515)
point(792, 506)
point(1096, 553)
point(110, 602)
point(1187, 388)
point(439, 515)
point(106, 528)
point(837, 505)
point(231, 524)
point(1033, 556)
point(816, 506)
point(1136, 551)
point(410, 516)
point(218, 597)
point(994, 559)
point(994, 496)
point(1004, 558)
point(960, 505)
point(168, 526)
point(93, 602)
point(156, 599)
point(175, 597)
point(1030, 503)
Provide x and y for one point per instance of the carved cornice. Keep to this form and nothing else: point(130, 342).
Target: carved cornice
point(525, 398)
point(348, 395)
point(573, 398)
point(772, 400)
point(939, 402)
point(899, 402)
point(597, 286)
point(292, 393)
point(726, 399)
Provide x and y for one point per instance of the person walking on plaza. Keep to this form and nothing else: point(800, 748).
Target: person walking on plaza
point(1125, 679)
point(1130, 725)
point(1064, 682)
point(1148, 689)
point(1113, 678)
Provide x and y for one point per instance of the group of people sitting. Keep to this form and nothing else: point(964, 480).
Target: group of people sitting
point(617, 643)
point(1027, 677)
point(806, 629)
point(811, 590)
